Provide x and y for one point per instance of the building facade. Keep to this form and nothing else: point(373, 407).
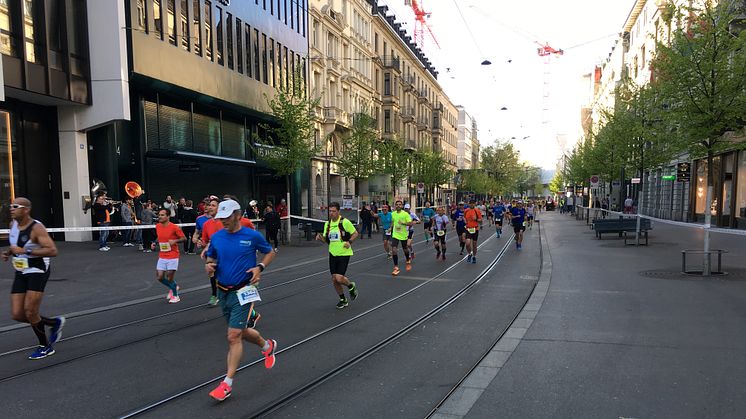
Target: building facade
point(465, 158)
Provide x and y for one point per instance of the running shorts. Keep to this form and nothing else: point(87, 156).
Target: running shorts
point(460, 231)
point(518, 227)
point(167, 264)
point(386, 236)
point(473, 236)
point(338, 264)
point(235, 314)
point(441, 239)
point(499, 221)
point(428, 225)
point(411, 234)
point(395, 242)
point(29, 282)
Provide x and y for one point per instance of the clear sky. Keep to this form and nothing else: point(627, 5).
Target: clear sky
point(505, 33)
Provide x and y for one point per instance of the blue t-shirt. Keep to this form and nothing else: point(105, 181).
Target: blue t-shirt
point(385, 220)
point(236, 253)
point(498, 210)
point(458, 216)
point(201, 220)
point(428, 214)
point(519, 214)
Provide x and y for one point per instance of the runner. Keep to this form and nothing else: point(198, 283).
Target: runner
point(517, 217)
point(427, 215)
point(169, 236)
point(483, 209)
point(30, 250)
point(385, 216)
point(440, 222)
point(473, 217)
point(210, 209)
point(410, 229)
point(400, 220)
point(530, 211)
point(490, 215)
point(460, 225)
point(340, 250)
point(231, 258)
point(498, 211)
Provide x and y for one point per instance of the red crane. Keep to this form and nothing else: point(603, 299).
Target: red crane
point(420, 22)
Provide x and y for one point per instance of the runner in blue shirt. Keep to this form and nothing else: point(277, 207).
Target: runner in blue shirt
point(385, 216)
point(427, 215)
point(498, 211)
point(517, 217)
point(460, 224)
point(231, 257)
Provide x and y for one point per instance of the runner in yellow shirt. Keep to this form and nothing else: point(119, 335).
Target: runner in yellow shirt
point(400, 220)
point(340, 250)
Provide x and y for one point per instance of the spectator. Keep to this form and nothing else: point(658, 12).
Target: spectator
point(629, 205)
point(374, 210)
point(170, 206)
point(128, 216)
point(147, 218)
point(188, 215)
point(271, 225)
point(282, 208)
point(366, 220)
point(102, 216)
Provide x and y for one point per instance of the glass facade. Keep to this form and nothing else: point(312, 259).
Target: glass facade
point(8, 166)
point(741, 190)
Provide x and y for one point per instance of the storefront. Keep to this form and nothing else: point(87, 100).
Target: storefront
point(728, 208)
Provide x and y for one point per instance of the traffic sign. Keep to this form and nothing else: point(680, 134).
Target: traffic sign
point(683, 173)
point(595, 180)
point(635, 180)
point(420, 187)
point(669, 177)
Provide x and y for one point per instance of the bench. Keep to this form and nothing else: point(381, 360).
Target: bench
point(621, 226)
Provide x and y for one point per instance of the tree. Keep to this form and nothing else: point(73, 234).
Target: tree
point(393, 160)
point(431, 169)
point(356, 160)
point(702, 75)
point(501, 162)
point(557, 184)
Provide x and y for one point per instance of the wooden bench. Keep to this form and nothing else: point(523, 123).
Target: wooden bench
point(621, 226)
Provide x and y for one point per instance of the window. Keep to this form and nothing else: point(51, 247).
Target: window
point(229, 39)
point(184, 25)
point(271, 53)
point(76, 36)
point(263, 54)
point(247, 38)
point(272, 7)
point(285, 10)
point(219, 34)
point(285, 67)
point(239, 46)
point(32, 31)
point(195, 27)
point(292, 20)
point(141, 14)
point(387, 121)
point(387, 83)
point(56, 35)
point(279, 12)
point(171, 22)
point(158, 22)
point(208, 29)
point(7, 30)
point(279, 69)
point(257, 56)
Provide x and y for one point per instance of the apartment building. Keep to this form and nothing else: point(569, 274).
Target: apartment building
point(467, 157)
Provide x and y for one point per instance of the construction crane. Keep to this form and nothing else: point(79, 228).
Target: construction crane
point(546, 51)
point(420, 24)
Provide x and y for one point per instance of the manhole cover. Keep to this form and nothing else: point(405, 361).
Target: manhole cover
point(729, 275)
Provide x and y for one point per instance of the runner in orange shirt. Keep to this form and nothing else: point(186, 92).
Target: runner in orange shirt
point(169, 237)
point(473, 217)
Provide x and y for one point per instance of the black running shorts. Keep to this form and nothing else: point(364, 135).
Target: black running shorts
point(428, 225)
point(441, 239)
point(338, 264)
point(395, 242)
point(518, 227)
point(460, 231)
point(473, 236)
point(29, 282)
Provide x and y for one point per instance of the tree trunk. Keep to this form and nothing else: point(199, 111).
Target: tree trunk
point(289, 226)
point(706, 268)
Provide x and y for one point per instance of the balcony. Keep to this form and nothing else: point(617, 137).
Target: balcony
point(407, 114)
point(410, 144)
point(422, 123)
point(422, 98)
point(408, 82)
point(334, 115)
point(437, 127)
point(393, 63)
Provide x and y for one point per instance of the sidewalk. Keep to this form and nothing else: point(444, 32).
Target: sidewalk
point(621, 333)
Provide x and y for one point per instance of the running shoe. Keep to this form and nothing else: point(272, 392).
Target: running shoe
point(518, 246)
point(444, 256)
point(269, 355)
point(170, 294)
point(437, 256)
point(41, 352)
point(342, 303)
point(388, 256)
point(473, 259)
point(103, 249)
point(461, 253)
point(173, 300)
point(56, 332)
point(253, 319)
point(412, 254)
point(409, 266)
point(353, 292)
point(221, 392)
point(468, 258)
point(213, 301)
point(396, 271)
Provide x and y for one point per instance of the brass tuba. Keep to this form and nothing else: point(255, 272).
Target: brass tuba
point(133, 189)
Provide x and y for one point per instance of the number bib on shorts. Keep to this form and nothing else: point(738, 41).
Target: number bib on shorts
point(165, 246)
point(248, 294)
point(20, 263)
point(441, 233)
point(471, 230)
point(387, 231)
point(425, 218)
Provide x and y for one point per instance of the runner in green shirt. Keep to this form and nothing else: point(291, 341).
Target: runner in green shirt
point(340, 250)
point(400, 220)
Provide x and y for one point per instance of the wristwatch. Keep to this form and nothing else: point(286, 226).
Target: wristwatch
point(261, 267)
point(28, 251)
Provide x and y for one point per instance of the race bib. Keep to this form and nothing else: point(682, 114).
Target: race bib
point(165, 246)
point(387, 231)
point(471, 230)
point(399, 227)
point(524, 224)
point(20, 263)
point(426, 218)
point(248, 294)
point(441, 233)
point(334, 236)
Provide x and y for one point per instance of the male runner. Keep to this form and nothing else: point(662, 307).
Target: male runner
point(210, 209)
point(400, 220)
point(517, 217)
point(339, 233)
point(231, 257)
point(473, 218)
point(169, 236)
point(530, 211)
point(427, 215)
point(460, 225)
point(30, 250)
point(498, 211)
point(440, 224)
point(410, 229)
point(385, 216)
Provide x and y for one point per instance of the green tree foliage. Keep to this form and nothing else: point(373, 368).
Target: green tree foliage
point(431, 169)
point(393, 160)
point(356, 160)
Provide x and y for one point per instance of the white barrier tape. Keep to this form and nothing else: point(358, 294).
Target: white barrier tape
point(673, 223)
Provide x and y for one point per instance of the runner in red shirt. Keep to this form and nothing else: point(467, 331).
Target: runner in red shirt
point(473, 217)
point(169, 237)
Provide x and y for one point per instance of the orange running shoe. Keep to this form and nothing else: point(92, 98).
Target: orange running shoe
point(409, 266)
point(221, 392)
point(396, 271)
point(269, 355)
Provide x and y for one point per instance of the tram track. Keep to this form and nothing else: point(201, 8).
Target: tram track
point(324, 377)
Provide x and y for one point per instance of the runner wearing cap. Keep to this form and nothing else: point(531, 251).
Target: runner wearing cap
point(210, 210)
point(410, 229)
point(231, 257)
point(517, 216)
point(339, 233)
point(473, 218)
point(169, 236)
point(400, 220)
point(427, 216)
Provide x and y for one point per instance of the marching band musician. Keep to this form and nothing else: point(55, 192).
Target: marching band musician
point(102, 210)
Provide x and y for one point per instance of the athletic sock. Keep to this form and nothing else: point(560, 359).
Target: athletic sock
point(462, 246)
point(341, 296)
point(228, 381)
point(214, 286)
point(395, 257)
point(266, 346)
point(38, 329)
point(48, 322)
point(351, 286)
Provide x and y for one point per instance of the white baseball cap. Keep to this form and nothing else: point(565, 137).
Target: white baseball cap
point(406, 206)
point(226, 208)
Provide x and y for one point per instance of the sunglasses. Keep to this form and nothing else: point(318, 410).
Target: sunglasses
point(16, 206)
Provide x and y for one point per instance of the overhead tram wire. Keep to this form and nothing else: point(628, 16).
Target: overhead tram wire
point(473, 38)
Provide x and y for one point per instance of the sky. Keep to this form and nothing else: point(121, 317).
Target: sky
point(506, 33)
